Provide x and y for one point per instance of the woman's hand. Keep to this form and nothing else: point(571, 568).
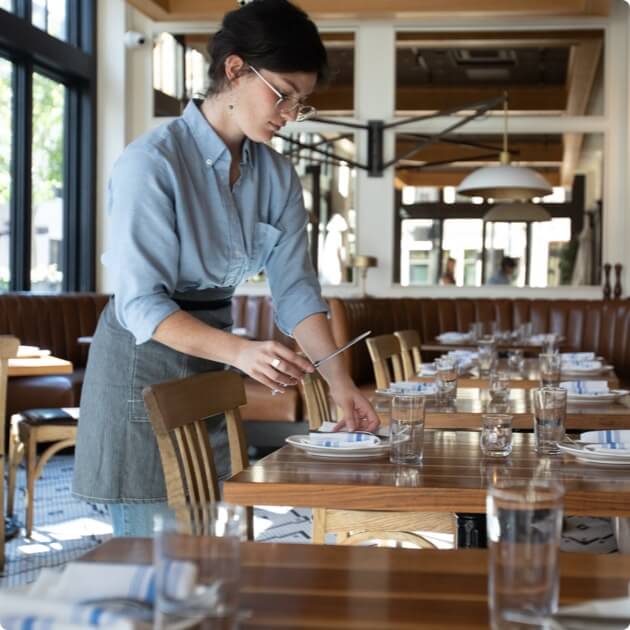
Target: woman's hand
point(272, 364)
point(357, 412)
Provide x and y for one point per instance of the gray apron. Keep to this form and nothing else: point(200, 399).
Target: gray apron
point(116, 458)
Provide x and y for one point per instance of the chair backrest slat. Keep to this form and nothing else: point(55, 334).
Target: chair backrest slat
point(385, 351)
point(409, 351)
point(316, 400)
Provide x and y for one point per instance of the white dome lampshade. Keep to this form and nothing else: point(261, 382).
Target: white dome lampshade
point(517, 211)
point(505, 181)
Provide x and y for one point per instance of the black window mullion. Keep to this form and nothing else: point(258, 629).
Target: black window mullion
point(70, 197)
point(21, 199)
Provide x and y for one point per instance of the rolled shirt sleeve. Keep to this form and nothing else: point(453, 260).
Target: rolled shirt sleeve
point(143, 253)
point(295, 289)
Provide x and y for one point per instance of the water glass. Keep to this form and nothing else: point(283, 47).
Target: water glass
point(516, 361)
point(525, 331)
point(382, 405)
point(197, 574)
point(407, 430)
point(499, 387)
point(524, 522)
point(550, 410)
point(550, 344)
point(446, 379)
point(486, 356)
point(475, 331)
point(496, 435)
point(549, 364)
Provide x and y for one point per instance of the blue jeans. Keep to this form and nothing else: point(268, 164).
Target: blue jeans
point(135, 519)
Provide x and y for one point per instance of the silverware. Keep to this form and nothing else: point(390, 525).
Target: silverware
point(363, 335)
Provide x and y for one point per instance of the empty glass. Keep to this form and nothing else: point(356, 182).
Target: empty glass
point(550, 410)
point(499, 387)
point(486, 355)
point(525, 331)
point(446, 379)
point(516, 361)
point(524, 521)
point(197, 575)
point(549, 364)
point(496, 435)
point(550, 343)
point(475, 331)
point(407, 429)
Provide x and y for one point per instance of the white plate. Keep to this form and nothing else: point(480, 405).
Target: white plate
point(592, 457)
point(591, 372)
point(368, 452)
point(594, 399)
point(389, 392)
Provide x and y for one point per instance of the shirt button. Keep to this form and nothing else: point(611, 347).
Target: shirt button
point(208, 162)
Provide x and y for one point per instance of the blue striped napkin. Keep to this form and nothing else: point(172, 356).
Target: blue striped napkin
point(344, 439)
point(586, 388)
point(613, 439)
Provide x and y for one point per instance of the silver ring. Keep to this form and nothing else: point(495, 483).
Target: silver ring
point(275, 363)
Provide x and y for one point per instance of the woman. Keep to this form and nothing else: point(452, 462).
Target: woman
point(197, 206)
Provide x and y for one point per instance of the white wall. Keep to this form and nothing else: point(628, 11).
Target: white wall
point(125, 111)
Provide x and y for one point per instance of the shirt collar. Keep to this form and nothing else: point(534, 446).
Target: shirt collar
point(208, 141)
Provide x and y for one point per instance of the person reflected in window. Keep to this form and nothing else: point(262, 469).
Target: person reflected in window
point(448, 277)
point(505, 274)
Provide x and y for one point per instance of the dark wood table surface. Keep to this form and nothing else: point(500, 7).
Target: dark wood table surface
point(454, 477)
point(327, 587)
point(528, 378)
point(465, 412)
point(503, 346)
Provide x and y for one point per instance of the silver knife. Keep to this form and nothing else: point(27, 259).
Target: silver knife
point(363, 335)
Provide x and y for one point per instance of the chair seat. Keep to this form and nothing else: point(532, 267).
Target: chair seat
point(67, 416)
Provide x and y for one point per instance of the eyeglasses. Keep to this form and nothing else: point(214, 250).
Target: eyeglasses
point(287, 105)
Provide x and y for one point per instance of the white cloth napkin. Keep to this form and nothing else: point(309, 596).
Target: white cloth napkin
point(618, 608)
point(581, 366)
point(55, 599)
point(614, 441)
point(412, 387)
point(585, 388)
point(576, 357)
point(344, 439)
point(453, 337)
point(328, 426)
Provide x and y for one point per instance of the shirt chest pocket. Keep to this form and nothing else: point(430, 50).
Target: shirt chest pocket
point(265, 239)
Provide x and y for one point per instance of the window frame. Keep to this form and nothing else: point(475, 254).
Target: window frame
point(73, 64)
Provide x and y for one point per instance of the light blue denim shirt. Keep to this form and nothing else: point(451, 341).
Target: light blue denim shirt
point(175, 225)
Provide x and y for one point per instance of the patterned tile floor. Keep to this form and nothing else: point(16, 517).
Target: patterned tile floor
point(66, 528)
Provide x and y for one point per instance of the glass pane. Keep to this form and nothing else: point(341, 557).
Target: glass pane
point(506, 244)
point(7, 5)
point(552, 254)
point(6, 132)
point(462, 242)
point(50, 16)
point(419, 251)
point(47, 174)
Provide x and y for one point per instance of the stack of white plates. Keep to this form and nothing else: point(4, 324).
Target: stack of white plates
point(340, 445)
point(592, 392)
point(609, 448)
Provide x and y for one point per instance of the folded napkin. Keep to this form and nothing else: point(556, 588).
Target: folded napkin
point(453, 337)
point(581, 366)
point(608, 609)
point(412, 387)
point(585, 388)
point(328, 426)
point(55, 599)
point(576, 357)
point(428, 369)
point(344, 439)
point(611, 436)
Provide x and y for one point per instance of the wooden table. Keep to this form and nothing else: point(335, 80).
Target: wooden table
point(325, 586)
point(529, 378)
point(39, 366)
point(501, 346)
point(465, 412)
point(454, 477)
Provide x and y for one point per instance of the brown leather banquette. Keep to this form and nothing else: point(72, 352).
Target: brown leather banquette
point(601, 326)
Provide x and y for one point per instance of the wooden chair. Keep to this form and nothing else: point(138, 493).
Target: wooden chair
point(385, 352)
point(409, 341)
point(8, 348)
point(29, 429)
point(355, 526)
point(178, 410)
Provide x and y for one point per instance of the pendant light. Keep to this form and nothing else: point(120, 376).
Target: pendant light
point(504, 182)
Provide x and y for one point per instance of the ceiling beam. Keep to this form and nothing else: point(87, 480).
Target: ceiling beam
point(453, 178)
point(213, 10)
point(583, 63)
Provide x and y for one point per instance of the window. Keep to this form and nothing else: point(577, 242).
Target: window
point(47, 148)
point(6, 126)
point(463, 241)
point(420, 247)
point(505, 240)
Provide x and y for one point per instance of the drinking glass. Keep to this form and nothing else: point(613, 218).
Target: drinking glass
point(475, 331)
point(496, 435)
point(197, 575)
point(516, 361)
point(525, 331)
point(550, 344)
point(549, 364)
point(499, 387)
point(407, 429)
point(524, 522)
point(550, 410)
point(486, 355)
point(446, 379)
